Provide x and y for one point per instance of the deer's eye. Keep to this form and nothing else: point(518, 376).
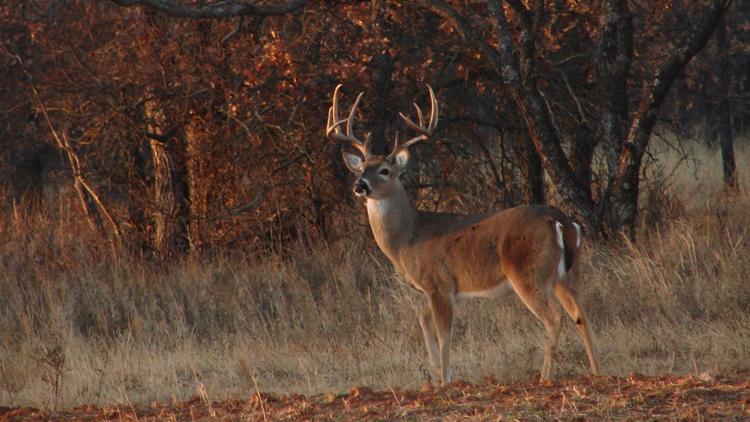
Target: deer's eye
point(384, 172)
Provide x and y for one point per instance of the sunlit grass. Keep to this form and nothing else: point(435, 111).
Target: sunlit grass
point(80, 323)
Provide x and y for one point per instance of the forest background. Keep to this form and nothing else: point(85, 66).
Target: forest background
point(173, 217)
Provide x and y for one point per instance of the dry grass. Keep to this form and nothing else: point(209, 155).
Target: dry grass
point(80, 324)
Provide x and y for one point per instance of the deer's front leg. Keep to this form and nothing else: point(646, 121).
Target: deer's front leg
point(428, 331)
point(442, 306)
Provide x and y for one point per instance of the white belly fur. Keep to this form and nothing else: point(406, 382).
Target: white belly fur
point(501, 289)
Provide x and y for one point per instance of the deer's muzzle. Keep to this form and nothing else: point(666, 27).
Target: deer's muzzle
point(361, 188)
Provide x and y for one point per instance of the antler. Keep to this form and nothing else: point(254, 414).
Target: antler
point(333, 127)
point(425, 131)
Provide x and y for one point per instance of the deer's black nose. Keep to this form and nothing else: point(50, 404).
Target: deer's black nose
point(361, 187)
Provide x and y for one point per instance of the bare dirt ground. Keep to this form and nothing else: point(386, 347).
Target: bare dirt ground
point(635, 397)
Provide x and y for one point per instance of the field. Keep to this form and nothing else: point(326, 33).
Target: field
point(289, 337)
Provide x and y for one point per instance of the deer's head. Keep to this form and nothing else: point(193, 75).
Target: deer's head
point(377, 175)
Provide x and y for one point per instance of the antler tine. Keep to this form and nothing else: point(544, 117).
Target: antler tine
point(350, 119)
point(425, 131)
point(410, 122)
point(335, 102)
point(333, 123)
point(433, 109)
point(333, 129)
point(420, 117)
point(333, 126)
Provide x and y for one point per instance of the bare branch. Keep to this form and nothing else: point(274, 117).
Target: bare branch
point(165, 137)
point(215, 10)
point(624, 187)
point(515, 66)
point(257, 200)
point(520, 79)
point(462, 27)
point(656, 91)
point(90, 201)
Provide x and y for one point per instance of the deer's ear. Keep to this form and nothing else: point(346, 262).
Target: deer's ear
point(353, 162)
point(401, 158)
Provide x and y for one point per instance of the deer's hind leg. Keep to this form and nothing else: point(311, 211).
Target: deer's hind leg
point(569, 300)
point(541, 304)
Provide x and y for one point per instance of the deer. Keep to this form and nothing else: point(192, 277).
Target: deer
point(532, 250)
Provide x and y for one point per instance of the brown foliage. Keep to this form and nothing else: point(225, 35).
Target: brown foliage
point(205, 133)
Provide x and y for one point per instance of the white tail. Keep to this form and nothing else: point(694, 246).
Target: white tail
point(532, 250)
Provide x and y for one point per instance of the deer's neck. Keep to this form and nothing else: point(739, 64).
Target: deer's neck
point(393, 221)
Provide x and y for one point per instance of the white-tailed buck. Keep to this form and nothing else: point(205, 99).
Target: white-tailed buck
point(531, 250)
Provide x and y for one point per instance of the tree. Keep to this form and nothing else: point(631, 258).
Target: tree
point(725, 135)
point(513, 50)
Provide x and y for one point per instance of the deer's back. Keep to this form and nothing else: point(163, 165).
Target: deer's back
point(473, 253)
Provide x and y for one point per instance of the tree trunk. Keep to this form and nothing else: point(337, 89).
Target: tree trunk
point(181, 183)
point(531, 169)
point(522, 84)
point(383, 66)
point(582, 156)
point(623, 191)
point(163, 200)
point(614, 55)
point(726, 138)
point(169, 230)
point(197, 192)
